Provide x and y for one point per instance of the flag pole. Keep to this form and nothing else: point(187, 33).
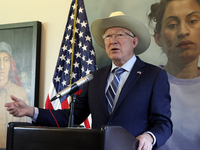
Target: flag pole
point(73, 42)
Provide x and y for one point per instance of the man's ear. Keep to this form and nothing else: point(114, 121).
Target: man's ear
point(135, 41)
point(157, 39)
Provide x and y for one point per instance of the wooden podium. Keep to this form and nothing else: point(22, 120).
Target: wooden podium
point(25, 136)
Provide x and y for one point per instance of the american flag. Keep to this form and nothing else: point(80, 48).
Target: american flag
point(76, 58)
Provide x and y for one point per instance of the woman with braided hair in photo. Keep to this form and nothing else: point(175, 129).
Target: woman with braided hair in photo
point(177, 32)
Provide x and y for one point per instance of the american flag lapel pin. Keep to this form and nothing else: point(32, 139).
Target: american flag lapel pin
point(139, 72)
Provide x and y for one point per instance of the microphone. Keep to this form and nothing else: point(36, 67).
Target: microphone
point(74, 87)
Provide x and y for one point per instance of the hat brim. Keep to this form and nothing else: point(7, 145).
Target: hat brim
point(99, 27)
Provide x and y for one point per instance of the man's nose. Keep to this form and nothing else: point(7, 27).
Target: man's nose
point(1, 65)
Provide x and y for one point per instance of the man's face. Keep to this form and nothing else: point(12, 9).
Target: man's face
point(4, 65)
point(119, 48)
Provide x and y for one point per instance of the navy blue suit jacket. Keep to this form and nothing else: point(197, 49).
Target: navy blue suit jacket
point(143, 104)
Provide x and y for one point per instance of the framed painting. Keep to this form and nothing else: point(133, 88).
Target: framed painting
point(19, 68)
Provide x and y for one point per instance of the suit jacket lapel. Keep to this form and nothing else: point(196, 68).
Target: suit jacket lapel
point(133, 77)
point(102, 85)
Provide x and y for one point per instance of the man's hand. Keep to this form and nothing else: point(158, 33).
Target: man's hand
point(145, 141)
point(19, 108)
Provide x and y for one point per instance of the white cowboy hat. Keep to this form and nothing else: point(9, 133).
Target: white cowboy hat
point(119, 19)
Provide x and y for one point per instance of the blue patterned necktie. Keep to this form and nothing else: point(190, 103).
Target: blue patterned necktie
point(112, 89)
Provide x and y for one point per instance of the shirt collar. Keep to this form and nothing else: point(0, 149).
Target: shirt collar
point(128, 65)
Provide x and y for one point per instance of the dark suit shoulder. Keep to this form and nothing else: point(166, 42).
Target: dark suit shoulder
point(147, 66)
point(151, 66)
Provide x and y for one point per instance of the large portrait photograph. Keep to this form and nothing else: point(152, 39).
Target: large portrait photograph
point(174, 26)
point(19, 69)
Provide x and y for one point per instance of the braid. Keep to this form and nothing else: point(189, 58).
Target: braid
point(157, 13)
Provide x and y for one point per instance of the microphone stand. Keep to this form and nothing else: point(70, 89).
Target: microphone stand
point(71, 117)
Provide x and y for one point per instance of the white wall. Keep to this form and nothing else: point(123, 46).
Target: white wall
point(53, 14)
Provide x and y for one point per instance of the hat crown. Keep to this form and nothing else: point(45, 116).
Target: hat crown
point(116, 13)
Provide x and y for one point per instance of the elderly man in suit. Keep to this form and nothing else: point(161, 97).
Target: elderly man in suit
point(128, 93)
